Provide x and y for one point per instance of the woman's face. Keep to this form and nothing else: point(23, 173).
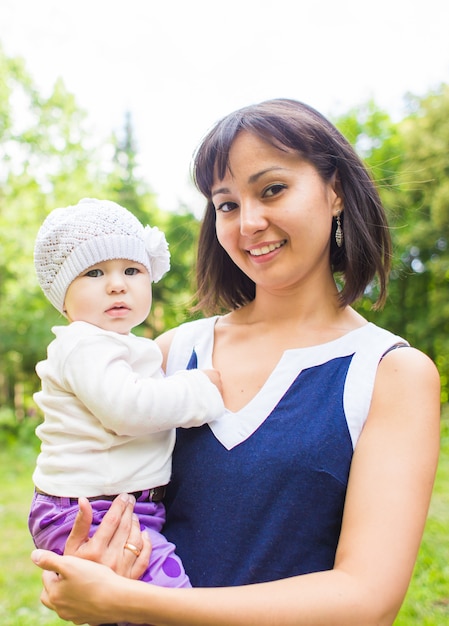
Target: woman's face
point(274, 215)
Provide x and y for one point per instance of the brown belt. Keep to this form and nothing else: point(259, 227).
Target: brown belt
point(155, 494)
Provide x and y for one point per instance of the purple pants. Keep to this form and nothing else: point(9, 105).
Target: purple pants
point(51, 520)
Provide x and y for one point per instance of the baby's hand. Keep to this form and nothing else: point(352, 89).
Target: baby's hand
point(215, 377)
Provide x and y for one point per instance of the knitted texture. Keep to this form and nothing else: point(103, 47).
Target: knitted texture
point(74, 238)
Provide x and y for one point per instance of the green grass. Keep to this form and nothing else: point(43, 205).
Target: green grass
point(426, 604)
point(20, 580)
point(427, 600)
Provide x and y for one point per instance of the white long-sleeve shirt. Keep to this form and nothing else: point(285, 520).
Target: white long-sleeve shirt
point(110, 414)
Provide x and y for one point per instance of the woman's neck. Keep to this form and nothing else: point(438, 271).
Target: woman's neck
point(314, 309)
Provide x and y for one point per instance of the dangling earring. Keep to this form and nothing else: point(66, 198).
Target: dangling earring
point(339, 231)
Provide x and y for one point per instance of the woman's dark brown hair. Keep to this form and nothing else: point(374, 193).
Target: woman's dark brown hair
point(291, 125)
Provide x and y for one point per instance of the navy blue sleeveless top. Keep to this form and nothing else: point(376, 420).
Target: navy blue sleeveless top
point(259, 494)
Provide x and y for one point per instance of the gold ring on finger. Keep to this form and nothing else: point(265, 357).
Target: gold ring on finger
point(132, 548)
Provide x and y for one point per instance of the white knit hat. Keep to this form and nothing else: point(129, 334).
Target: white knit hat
point(74, 238)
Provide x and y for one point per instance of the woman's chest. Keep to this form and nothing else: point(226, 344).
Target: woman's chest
point(295, 421)
point(245, 362)
point(247, 356)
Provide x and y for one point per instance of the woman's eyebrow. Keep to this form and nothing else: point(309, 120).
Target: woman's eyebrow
point(255, 177)
point(252, 179)
point(221, 190)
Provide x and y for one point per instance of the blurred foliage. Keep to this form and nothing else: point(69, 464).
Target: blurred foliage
point(408, 160)
point(50, 159)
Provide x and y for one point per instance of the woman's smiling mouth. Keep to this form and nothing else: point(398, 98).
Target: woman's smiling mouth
point(266, 248)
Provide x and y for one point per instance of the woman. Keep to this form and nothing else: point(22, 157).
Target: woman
point(307, 500)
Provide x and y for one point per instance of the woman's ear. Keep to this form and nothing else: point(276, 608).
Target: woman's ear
point(338, 205)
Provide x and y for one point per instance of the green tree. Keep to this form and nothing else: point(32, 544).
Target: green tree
point(46, 163)
point(408, 160)
point(49, 160)
point(424, 240)
point(124, 184)
point(172, 296)
point(377, 141)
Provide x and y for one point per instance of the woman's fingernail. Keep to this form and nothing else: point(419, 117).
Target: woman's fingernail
point(35, 556)
point(124, 497)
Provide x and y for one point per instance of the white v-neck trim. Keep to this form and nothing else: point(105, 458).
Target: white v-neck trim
point(235, 427)
point(368, 343)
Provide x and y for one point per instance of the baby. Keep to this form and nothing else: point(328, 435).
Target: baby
point(109, 412)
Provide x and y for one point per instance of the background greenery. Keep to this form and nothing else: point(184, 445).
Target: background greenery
point(49, 160)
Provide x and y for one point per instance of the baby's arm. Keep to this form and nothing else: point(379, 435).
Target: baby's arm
point(138, 404)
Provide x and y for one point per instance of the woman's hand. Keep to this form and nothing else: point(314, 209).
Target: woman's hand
point(107, 546)
point(74, 587)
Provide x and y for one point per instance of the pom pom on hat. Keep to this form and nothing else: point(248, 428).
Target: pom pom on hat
point(74, 238)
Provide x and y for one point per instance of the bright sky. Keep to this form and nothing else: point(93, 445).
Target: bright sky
point(179, 65)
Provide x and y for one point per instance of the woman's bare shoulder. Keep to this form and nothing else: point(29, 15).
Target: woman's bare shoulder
point(408, 387)
point(164, 342)
point(408, 364)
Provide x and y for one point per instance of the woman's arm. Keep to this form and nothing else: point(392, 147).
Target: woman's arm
point(387, 501)
point(164, 342)
point(392, 477)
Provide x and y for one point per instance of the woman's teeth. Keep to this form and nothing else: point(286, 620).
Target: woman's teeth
point(266, 249)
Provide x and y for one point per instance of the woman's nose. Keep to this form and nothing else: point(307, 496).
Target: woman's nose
point(252, 218)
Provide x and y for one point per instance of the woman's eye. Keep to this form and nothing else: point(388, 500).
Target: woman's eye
point(226, 207)
point(273, 190)
point(94, 273)
point(131, 271)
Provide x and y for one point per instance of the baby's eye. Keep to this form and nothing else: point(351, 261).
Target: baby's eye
point(226, 207)
point(94, 273)
point(131, 271)
point(273, 190)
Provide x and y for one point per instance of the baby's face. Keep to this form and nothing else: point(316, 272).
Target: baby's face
point(114, 295)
